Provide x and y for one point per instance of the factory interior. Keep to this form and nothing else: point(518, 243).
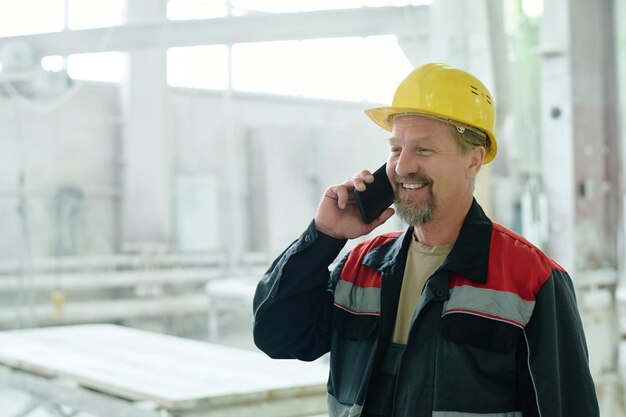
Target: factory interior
point(157, 155)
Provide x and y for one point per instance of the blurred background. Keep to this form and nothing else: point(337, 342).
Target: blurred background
point(156, 155)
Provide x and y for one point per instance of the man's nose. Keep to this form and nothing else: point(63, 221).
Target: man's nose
point(407, 164)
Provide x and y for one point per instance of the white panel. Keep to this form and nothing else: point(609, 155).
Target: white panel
point(197, 216)
point(289, 170)
point(288, 196)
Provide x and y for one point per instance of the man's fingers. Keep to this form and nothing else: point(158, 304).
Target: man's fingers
point(342, 193)
point(359, 184)
point(365, 175)
point(342, 196)
point(360, 180)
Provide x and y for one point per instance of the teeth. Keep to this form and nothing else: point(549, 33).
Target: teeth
point(413, 186)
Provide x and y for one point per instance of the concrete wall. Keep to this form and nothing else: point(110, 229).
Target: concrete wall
point(62, 162)
point(70, 164)
point(283, 154)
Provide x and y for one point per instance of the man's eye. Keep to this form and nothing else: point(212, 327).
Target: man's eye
point(395, 149)
point(424, 151)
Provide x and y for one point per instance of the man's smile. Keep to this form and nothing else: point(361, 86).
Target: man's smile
point(413, 186)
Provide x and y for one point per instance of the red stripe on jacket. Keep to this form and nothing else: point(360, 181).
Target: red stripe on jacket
point(361, 275)
point(515, 265)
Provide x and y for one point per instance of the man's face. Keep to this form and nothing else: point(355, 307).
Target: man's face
point(429, 173)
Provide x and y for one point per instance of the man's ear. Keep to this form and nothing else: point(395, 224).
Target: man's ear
point(477, 155)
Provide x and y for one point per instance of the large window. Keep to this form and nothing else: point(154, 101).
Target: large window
point(83, 14)
point(195, 9)
point(97, 66)
point(104, 66)
point(198, 67)
point(27, 17)
point(268, 67)
point(354, 69)
point(24, 17)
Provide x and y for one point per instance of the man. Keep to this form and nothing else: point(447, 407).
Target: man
point(457, 316)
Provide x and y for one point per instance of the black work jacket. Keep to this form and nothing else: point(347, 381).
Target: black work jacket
point(496, 332)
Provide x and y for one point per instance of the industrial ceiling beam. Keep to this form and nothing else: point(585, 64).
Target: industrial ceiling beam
point(409, 21)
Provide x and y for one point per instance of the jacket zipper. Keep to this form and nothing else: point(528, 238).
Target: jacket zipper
point(393, 402)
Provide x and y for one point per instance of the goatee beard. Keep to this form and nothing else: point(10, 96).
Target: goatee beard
point(413, 214)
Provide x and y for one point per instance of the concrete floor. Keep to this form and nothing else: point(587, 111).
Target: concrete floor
point(235, 328)
point(235, 331)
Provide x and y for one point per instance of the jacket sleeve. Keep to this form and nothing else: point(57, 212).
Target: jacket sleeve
point(293, 301)
point(557, 357)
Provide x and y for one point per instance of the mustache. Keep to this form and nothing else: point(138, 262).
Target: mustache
point(398, 179)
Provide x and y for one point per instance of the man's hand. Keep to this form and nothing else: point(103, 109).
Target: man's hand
point(338, 214)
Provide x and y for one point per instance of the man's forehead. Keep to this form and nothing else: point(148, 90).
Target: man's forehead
point(409, 119)
point(414, 137)
point(418, 127)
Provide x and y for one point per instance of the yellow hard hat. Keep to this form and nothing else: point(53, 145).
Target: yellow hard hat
point(447, 93)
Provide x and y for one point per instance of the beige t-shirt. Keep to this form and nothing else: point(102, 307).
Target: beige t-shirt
point(421, 263)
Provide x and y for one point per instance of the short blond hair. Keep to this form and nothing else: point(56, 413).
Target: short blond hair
point(469, 139)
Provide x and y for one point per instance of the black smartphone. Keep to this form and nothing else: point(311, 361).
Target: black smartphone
point(377, 196)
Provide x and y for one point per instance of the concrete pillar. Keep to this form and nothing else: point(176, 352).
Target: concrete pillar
point(557, 133)
point(581, 172)
point(579, 137)
point(146, 207)
point(620, 50)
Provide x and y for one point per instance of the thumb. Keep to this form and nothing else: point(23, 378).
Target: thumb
point(384, 216)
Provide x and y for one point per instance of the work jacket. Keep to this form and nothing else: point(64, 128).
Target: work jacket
point(496, 332)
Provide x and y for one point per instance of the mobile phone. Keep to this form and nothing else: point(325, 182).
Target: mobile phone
point(377, 196)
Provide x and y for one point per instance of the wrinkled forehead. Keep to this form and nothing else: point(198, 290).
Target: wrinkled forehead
point(410, 116)
point(415, 121)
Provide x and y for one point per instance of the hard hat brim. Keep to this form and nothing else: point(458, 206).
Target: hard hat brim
point(383, 117)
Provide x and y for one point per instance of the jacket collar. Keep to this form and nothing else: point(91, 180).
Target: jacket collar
point(469, 256)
